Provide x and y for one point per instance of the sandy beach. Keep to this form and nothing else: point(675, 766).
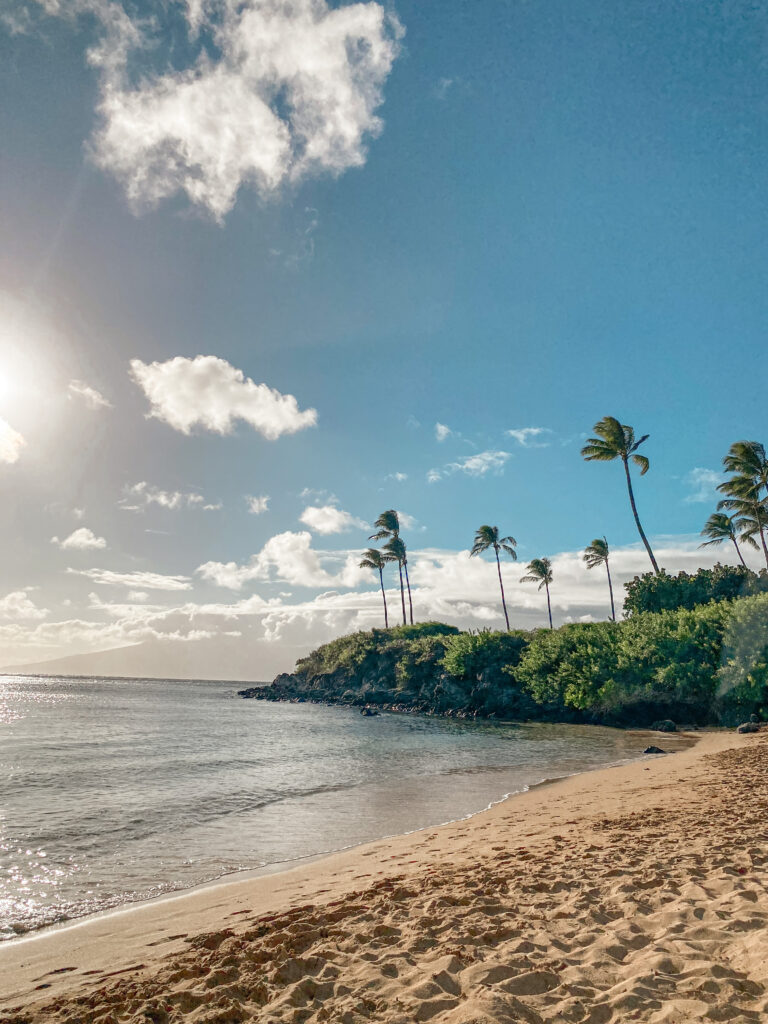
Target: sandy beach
point(630, 893)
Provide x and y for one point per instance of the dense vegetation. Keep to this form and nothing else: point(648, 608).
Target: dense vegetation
point(660, 592)
point(701, 665)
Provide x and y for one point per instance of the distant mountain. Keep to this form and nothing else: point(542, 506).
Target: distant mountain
point(166, 660)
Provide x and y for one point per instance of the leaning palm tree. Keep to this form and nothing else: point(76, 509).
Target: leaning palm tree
point(596, 554)
point(720, 527)
point(373, 559)
point(488, 537)
point(617, 441)
point(753, 515)
point(748, 464)
point(394, 551)
point(540, 571)
point(388, 526)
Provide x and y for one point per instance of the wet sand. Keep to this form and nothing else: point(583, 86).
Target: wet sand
point(634, 893)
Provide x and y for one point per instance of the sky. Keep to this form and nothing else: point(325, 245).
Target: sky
point(271, 268)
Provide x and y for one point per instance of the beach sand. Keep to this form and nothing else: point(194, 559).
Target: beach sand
point(634, 893)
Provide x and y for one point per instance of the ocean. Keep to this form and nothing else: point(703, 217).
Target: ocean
point(116, 790)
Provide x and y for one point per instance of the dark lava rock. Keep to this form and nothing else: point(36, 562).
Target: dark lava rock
point(749, 727)
point(654, 750)
point(369, 712)
point(665, 725)
point(754, 718)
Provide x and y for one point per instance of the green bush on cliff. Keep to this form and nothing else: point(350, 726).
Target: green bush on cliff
point(660, 592)
point(570, 666)
point(648, 667)
point(743, 675)
point(485, 653)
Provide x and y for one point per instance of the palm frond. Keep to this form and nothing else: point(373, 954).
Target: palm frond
point(642, 462)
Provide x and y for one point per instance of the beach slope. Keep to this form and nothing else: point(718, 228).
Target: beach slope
point(634, 893)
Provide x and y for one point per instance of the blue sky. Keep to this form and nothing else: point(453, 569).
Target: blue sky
point(517, 215)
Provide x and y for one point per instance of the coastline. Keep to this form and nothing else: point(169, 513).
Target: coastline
point(140, 942)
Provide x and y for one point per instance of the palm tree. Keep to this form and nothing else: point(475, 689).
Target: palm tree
point(617, 441)
point(394, 551)
point(720, 527)
point(488, 537)
point(748, 463)
point(388, 526)
point(540, 571)
point(595, 554)
point(753, 515)
point(373, 559)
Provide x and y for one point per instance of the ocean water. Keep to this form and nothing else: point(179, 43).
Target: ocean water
point(119, 790)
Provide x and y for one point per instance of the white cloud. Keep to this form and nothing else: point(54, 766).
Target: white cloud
point(92, 398)
point(442, 432)
point(330, 519)
point(288, 558)
point(18, 605)
point(137, 596)
point(139, 580)
point(280, 92)
point(141, 495)
point(258, 505)
point(11, 443)
point(82, 539)
point(211, 393)
point(78, 513)
point(530, 437)
point(703, 485)
point(408, 522)
point(472, 465)
point(398, 478)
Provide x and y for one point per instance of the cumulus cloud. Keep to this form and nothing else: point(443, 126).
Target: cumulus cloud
point(442, 432)
point(531, 437)
point(11, 443)
point(330, 519)
point(92, 398)
point(288, 558)
point(703, 485)
point(258, 505)
point(139, 580)
point(398, 478)
point(141, 495)
point(472, 465)
point(18, 605)
point(210, 393)
point(271, 94)
point(82, 539)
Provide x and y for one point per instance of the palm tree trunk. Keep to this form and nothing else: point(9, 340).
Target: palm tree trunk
point(549, 607)
point(408, 584)
point(610, 590)
point(384, 598)
point(738, 552)
point(402, 590)
point(503, 602)
point(637, 520)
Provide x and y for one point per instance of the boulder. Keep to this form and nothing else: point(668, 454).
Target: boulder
point(749, 727)
point(654, 750)
point(665, 725)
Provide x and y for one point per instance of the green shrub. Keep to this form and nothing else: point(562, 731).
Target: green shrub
point(660, 592)
point(570, 666)
point(743, 673)
point(472, 655)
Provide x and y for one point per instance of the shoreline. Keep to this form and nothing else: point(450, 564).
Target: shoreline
point(139, 941)
point(280, 867)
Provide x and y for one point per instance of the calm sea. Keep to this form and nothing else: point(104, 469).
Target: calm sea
point(119, 790)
